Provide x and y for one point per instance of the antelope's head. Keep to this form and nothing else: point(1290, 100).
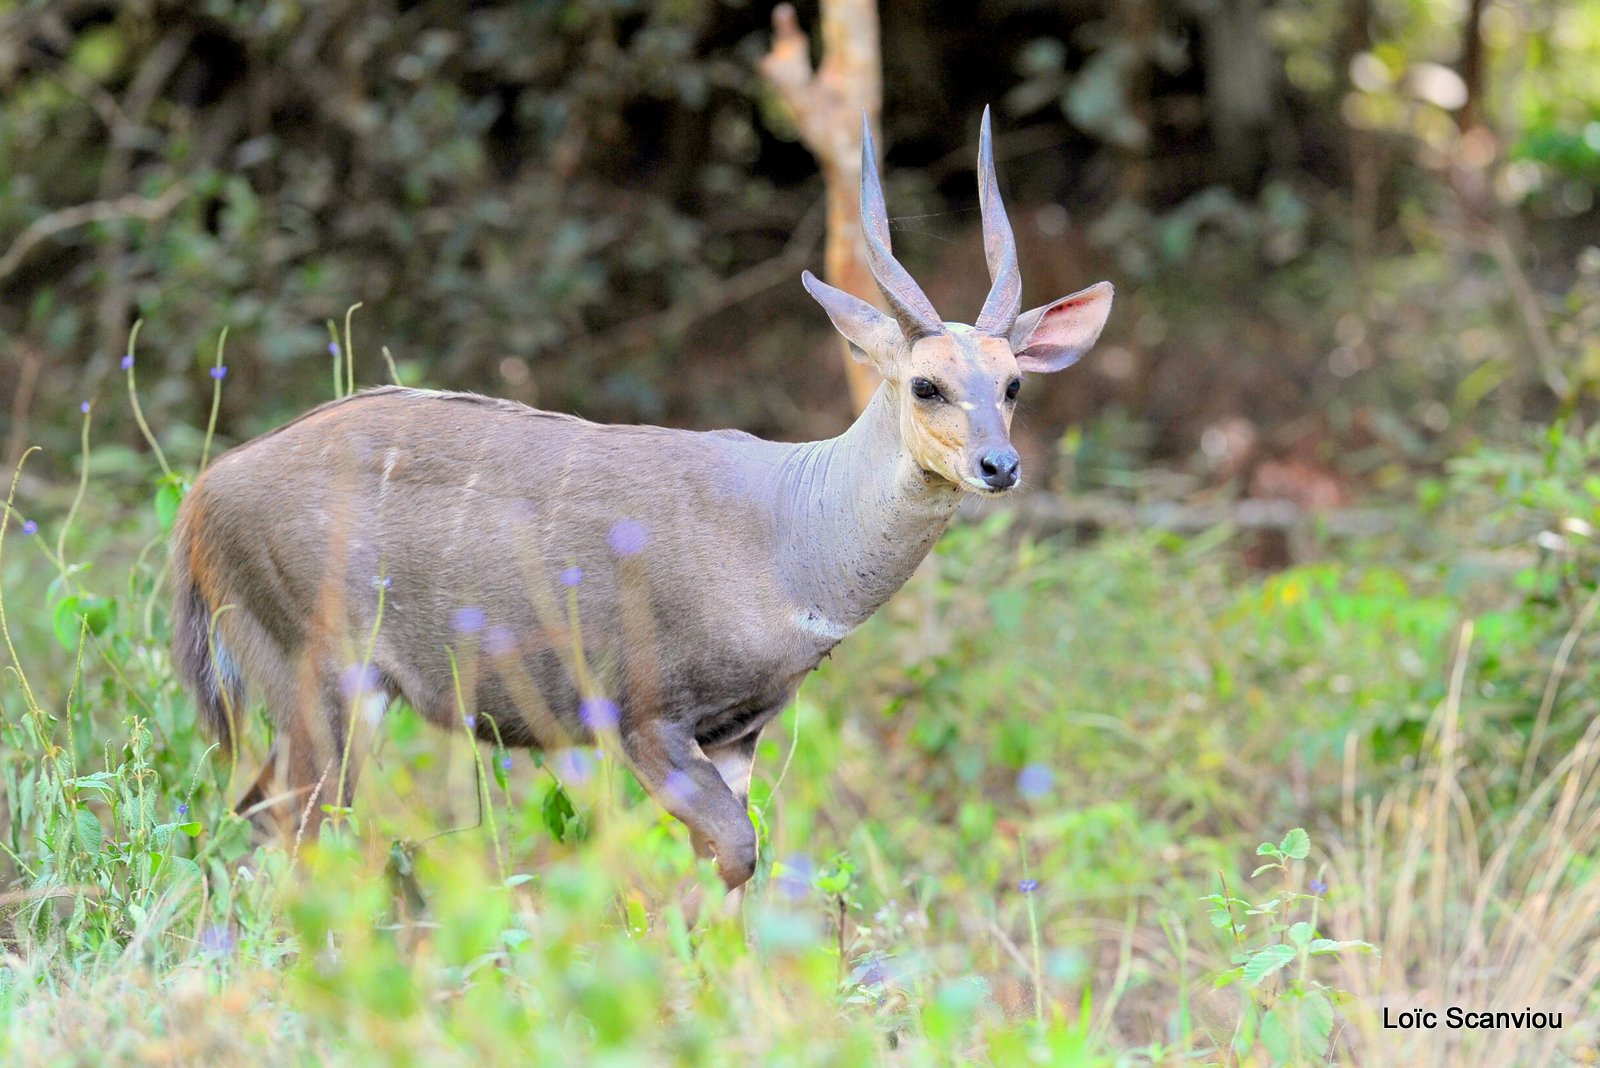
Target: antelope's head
point(956, 385)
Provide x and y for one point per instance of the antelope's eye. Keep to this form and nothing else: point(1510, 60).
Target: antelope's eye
point(922, 389)
point(1013, 388)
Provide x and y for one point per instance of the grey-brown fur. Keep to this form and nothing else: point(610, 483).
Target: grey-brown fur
point(738, 563)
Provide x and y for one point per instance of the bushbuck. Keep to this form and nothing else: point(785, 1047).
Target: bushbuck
point(664, 589)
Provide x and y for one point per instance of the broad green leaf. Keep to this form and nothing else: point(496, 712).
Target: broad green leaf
point(1296, 844)
point(169, 494)
point(1297, 1029)
point(1266, 961)
point(558, 812)
point(64, 622)
point(89, 834)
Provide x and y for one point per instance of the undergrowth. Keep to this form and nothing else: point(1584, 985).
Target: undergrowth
point(1014, 820)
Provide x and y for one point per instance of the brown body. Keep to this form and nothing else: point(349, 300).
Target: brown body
point(406, 542)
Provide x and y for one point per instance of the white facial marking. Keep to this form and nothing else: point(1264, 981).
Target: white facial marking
point(967, 406)
point(820, 627)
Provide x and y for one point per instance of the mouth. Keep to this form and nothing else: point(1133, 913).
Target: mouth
point(983, 489)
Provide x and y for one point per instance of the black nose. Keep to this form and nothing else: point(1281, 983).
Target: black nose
point(999, 468)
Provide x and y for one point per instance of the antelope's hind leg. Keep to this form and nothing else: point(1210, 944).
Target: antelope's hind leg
point(307, 767)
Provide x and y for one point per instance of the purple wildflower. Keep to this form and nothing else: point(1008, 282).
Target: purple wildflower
point(572, 576)
point(1034, 781)
point(472, 721)
point(679, 787)
point(1028, 886)
point(627, 537)
point(220, 372)
point(84, 407)
point(468, 620)
point(574, 765)
point(874, 973)
point(127, 362)
point(183, 808)
point(599, 713)
point(792, 876)
point(500, 641)
point(358, 679)
point(217, 938)
point(333, 348)
point(382, 582)
point(505, 762)
point(1319, 886)
point(30, 527)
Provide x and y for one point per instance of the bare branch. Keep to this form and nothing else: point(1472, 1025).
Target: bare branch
point(125, 207)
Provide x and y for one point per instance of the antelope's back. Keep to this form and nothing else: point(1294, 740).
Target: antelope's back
point(486, 524)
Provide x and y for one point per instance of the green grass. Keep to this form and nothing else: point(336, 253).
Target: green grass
point(1123, 722)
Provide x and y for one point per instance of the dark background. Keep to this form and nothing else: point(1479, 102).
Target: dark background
point(1345, 233)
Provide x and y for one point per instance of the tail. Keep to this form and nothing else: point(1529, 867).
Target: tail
point(203, 663)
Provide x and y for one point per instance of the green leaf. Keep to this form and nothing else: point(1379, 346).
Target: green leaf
point(1227, 978)
point(64, 622)
point(1321, 946)
point(1300, 934)
point(558, 812)
point(1297, 1029)
point(89, 835)
point(1296, 844)
point(169, 494)
point(1264, 962)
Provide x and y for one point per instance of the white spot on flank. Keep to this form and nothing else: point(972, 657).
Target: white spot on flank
point(820, 627)
point(390, 458)
point(373, 706)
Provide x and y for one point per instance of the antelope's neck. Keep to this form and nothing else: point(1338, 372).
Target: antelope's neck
point(861, 515)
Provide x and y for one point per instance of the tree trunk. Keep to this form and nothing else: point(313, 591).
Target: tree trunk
point(826, 105)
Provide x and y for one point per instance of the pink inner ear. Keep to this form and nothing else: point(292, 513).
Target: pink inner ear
point(1055, 336)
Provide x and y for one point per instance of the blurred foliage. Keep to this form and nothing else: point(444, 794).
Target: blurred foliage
point(993, 826)
point(595, 205)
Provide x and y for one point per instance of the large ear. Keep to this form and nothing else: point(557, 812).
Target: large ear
point(872, 335)
point(1054, 336)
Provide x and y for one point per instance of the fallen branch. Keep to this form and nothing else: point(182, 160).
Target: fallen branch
point(131, 206)
point(1048, 512)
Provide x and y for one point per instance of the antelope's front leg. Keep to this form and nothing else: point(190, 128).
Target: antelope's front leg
point(696, 789)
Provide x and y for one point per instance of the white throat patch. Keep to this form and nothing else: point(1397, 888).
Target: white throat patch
point(818, 626)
